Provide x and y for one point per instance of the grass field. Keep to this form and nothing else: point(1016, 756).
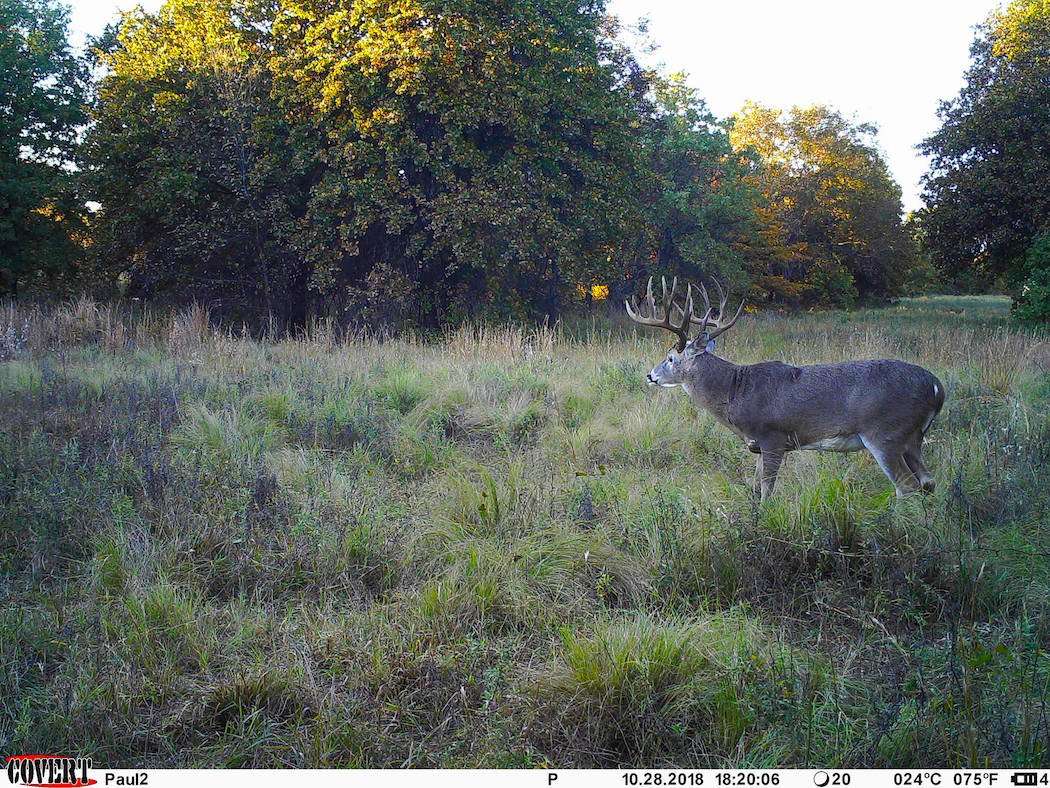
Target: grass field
point(500, 548)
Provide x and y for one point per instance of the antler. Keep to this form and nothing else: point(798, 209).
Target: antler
point(719, 324)
point(652, 318)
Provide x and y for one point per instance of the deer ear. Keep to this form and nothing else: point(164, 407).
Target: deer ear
point(710, 346)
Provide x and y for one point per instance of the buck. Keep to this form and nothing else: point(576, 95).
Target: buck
point(884, 406)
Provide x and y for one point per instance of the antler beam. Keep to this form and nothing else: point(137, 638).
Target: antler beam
point(715, 326)
point(663, 317)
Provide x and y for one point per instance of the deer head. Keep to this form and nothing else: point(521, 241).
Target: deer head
point(677, 319)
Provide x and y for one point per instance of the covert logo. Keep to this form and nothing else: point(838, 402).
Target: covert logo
point(48, 771)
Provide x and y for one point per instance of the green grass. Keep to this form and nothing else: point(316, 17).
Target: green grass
point(987, 307)
point(500, 548)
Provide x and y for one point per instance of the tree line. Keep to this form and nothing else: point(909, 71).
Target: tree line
point(430, 161)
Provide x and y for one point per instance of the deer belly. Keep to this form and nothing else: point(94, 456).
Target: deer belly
point(836, 443)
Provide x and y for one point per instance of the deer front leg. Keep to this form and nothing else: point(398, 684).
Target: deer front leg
point(768, 467)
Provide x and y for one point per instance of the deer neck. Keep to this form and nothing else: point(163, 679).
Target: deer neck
point(709, 384)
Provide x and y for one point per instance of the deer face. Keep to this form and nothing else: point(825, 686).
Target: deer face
point(676, 367)
point(678, 318)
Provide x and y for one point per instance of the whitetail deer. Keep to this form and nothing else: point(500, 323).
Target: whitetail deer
point(883, 406)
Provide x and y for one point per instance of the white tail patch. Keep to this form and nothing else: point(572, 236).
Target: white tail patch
point(933, 414)
point(929, 421)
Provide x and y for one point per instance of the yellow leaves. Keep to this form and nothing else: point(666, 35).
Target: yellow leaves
point(596, 292)
point(166, 101)
point(184, 36)
point(47, 210)
point(386, 115)
point(1018, 30)
point(391, 36)
point(828, 197)
point(760, 129)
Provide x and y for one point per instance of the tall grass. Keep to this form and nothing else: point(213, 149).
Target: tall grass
point(498, 547)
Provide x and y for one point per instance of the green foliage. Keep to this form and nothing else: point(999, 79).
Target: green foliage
point(466, 148)
point(428, 163)
point(986, 191)
point(41, 97)
point(191, 162)
point(1033, 301)
point(831, 227)
point(703, 215)
point(922, 276)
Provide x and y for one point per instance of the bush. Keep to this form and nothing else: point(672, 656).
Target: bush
point(1032, 305)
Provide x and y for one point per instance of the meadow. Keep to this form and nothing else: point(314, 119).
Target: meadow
point(497, 547)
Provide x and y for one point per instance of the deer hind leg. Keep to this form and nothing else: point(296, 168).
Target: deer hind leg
point(890, 458)
point(913, 459)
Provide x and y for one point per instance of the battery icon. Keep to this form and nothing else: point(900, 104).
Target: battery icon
point(1025, 778)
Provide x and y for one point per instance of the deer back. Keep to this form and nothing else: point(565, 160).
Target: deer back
point(817, 402)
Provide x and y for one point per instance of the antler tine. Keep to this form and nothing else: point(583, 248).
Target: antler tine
point(639, 314)
point(723, 297)
point(722, 328)
point(707, 308)
point(681, 312)
point(665, 321)
point(669, 299)
point(707, 300)
point(719, 325)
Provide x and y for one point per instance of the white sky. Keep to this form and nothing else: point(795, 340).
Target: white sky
point(889, 62)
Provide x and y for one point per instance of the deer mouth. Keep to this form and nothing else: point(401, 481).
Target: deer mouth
point(654, 382)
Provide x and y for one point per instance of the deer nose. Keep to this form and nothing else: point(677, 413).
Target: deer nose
point(649, 377)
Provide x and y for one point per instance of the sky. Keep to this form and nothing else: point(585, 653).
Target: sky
point(889, 62)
